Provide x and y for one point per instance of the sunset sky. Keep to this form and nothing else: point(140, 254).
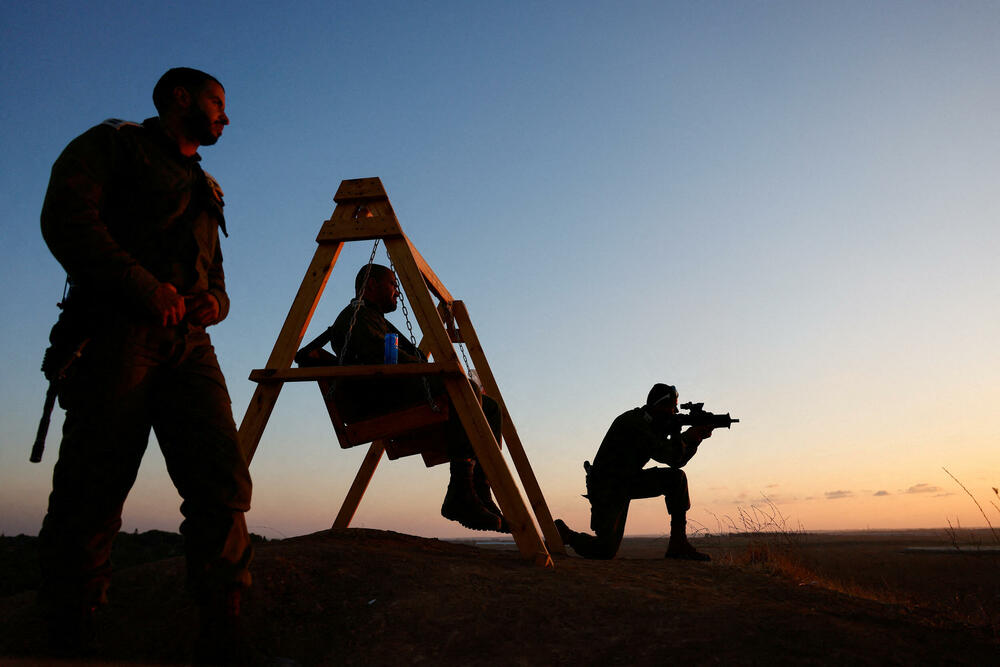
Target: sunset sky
point(787, 209)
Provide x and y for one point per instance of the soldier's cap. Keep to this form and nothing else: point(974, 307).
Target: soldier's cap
point(661, 392)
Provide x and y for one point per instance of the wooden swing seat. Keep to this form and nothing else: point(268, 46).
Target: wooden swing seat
point(415, 429)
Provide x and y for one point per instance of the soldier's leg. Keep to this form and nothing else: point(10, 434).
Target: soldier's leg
point(104, 436)
point(672, 484)
point(608, 515)
point(194, 425)
point(467, 499)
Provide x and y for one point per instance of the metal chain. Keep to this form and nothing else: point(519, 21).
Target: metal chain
point(468, 369)
point(409, 327)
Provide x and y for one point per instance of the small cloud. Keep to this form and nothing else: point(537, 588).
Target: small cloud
point(881, 493)
point(835, 495)
point(943, 495)
point(771, 486)
point(923, 488)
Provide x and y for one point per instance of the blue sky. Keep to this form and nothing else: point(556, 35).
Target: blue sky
point(787, 209)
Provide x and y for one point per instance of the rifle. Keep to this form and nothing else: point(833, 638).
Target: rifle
point(55, 365)
point(698, 416)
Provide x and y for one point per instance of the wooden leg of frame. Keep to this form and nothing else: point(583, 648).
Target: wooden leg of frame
point(526, 536)
point(528, 480)
point(360, 485)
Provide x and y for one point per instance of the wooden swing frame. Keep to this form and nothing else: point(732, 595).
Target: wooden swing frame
point(418, 283)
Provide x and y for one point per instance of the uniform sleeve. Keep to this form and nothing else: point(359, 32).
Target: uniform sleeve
point(217, 282)
point(408, 352)
point(668, 448)
point(72, 224)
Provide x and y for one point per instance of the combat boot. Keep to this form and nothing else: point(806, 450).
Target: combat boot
point(566, 534)
point(72, 630)
point(485, 495)
point(221, 640)
point(462, 504)
point(681, 549)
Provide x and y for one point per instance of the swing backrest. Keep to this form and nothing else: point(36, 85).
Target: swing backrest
point(416, 429)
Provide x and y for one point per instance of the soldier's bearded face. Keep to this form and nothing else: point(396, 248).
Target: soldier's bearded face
point(207, 114)
point(387, 294)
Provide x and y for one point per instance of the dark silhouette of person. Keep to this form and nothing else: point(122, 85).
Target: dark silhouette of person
point(134, 220)
point(618, 476)
point(468, 499)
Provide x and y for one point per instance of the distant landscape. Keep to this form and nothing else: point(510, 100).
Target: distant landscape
point(362, 596)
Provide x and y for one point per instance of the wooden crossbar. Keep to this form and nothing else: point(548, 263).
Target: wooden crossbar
point(311, 373)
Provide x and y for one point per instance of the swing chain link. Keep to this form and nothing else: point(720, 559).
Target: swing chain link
point(468, 369)
point(409, 327)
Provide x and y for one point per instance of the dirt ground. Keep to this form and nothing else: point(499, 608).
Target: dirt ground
point(368, 597)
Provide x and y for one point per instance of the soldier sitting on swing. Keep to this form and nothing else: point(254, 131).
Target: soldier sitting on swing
point(358, 336)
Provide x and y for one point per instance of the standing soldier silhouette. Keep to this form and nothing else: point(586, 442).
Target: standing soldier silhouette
point(134, 220)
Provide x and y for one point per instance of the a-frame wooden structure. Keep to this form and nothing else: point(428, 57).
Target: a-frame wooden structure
point(418, 282)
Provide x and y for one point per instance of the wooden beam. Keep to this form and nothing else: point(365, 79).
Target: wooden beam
point(311, 373)
point(360, 484)
point(531, 487)
point(360, 189)
point(287, 344)
point(470, 411)
point(433, 282)
point(375, 227)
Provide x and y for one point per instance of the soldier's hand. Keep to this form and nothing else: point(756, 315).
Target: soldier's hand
point(203, 309)
point(699, 433)
point(167, 305)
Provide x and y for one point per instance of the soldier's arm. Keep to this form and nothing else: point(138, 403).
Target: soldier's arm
point(670, 446)
point(216, 275)
point(368, 338)
point(74, 229)
point(408, 352)
point(217, 283)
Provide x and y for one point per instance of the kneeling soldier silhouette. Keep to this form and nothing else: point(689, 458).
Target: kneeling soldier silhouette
point(617, 476)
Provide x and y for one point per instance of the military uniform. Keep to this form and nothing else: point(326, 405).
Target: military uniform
point(618, 476)
point(124, 213)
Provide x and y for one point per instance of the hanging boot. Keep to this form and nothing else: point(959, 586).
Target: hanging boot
point(461, 503)
point(485, 495)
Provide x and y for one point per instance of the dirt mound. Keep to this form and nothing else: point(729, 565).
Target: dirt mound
point(373, 597)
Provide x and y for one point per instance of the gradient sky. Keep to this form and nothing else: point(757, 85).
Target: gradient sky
point(787, 209)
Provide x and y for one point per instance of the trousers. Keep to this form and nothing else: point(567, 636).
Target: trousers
point(609, 503)
point(133, 378)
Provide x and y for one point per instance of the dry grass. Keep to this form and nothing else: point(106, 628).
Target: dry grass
point(955, 531)
point(962, 588)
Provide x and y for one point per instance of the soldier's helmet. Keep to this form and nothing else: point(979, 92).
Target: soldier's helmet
point(661, 392)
